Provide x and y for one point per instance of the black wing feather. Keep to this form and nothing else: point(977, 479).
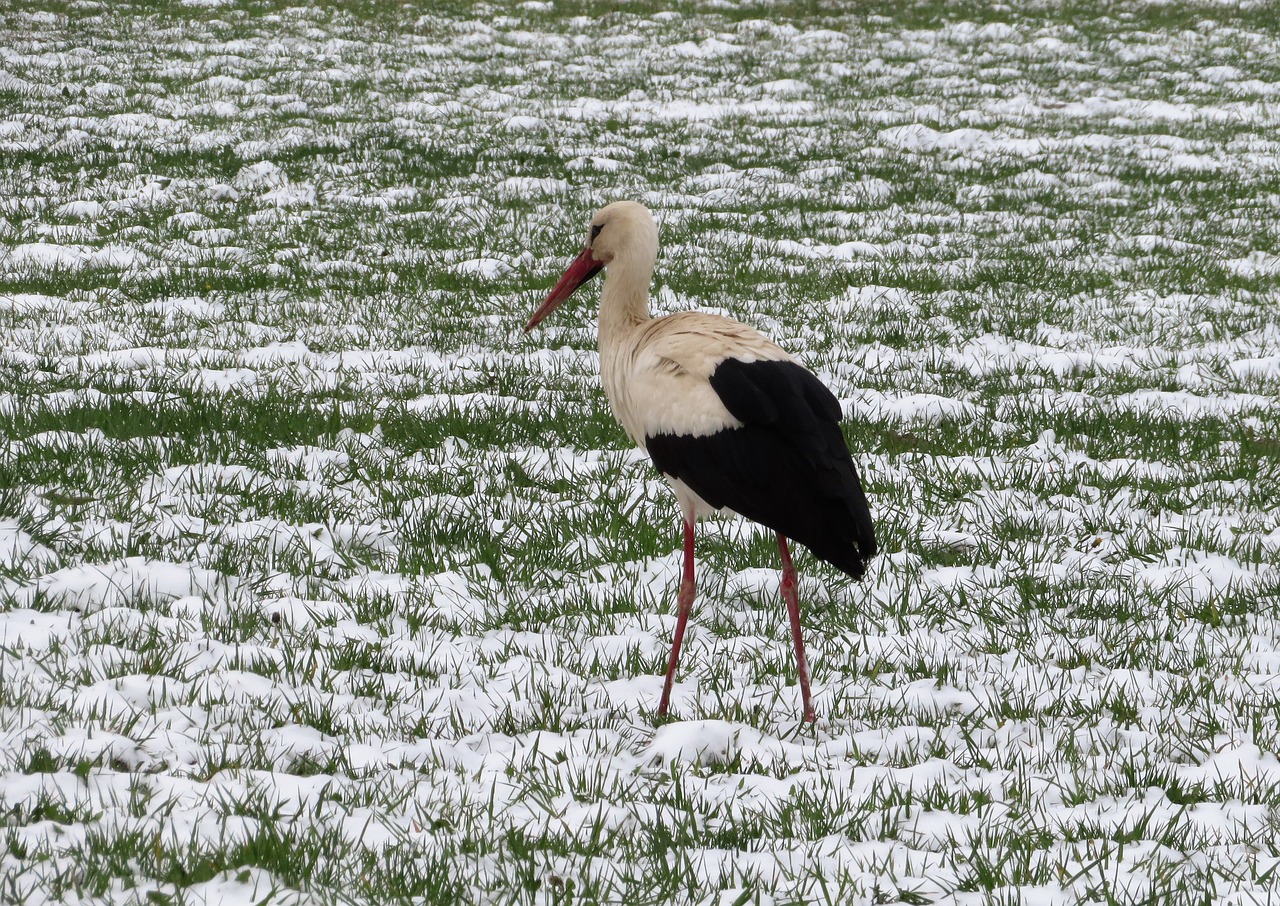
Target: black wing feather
point(786, 467)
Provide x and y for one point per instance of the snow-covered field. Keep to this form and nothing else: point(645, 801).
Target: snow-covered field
point(321, 581)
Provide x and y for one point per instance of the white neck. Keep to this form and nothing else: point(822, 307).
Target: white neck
point(624, 301)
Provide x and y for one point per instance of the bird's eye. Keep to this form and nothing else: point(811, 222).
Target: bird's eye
point(595, 230)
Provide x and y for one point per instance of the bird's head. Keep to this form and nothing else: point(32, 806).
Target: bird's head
point(620, 232)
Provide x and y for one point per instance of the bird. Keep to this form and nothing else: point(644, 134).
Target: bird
point(728, 417)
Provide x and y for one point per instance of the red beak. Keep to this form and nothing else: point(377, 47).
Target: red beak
point(583, 268)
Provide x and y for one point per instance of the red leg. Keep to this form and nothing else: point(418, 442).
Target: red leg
point(793, 612)
point(684, 603)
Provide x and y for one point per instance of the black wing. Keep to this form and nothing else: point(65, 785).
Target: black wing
point(787, 467)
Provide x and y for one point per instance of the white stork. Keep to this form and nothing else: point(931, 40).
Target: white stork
point(728, 417)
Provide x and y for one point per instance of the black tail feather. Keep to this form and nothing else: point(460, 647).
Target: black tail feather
point(786, 466)
point(754, 471)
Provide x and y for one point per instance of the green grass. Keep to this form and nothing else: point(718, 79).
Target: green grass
point(319, 577)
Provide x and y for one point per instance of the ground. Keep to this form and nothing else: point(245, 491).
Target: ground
point(322, 581)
